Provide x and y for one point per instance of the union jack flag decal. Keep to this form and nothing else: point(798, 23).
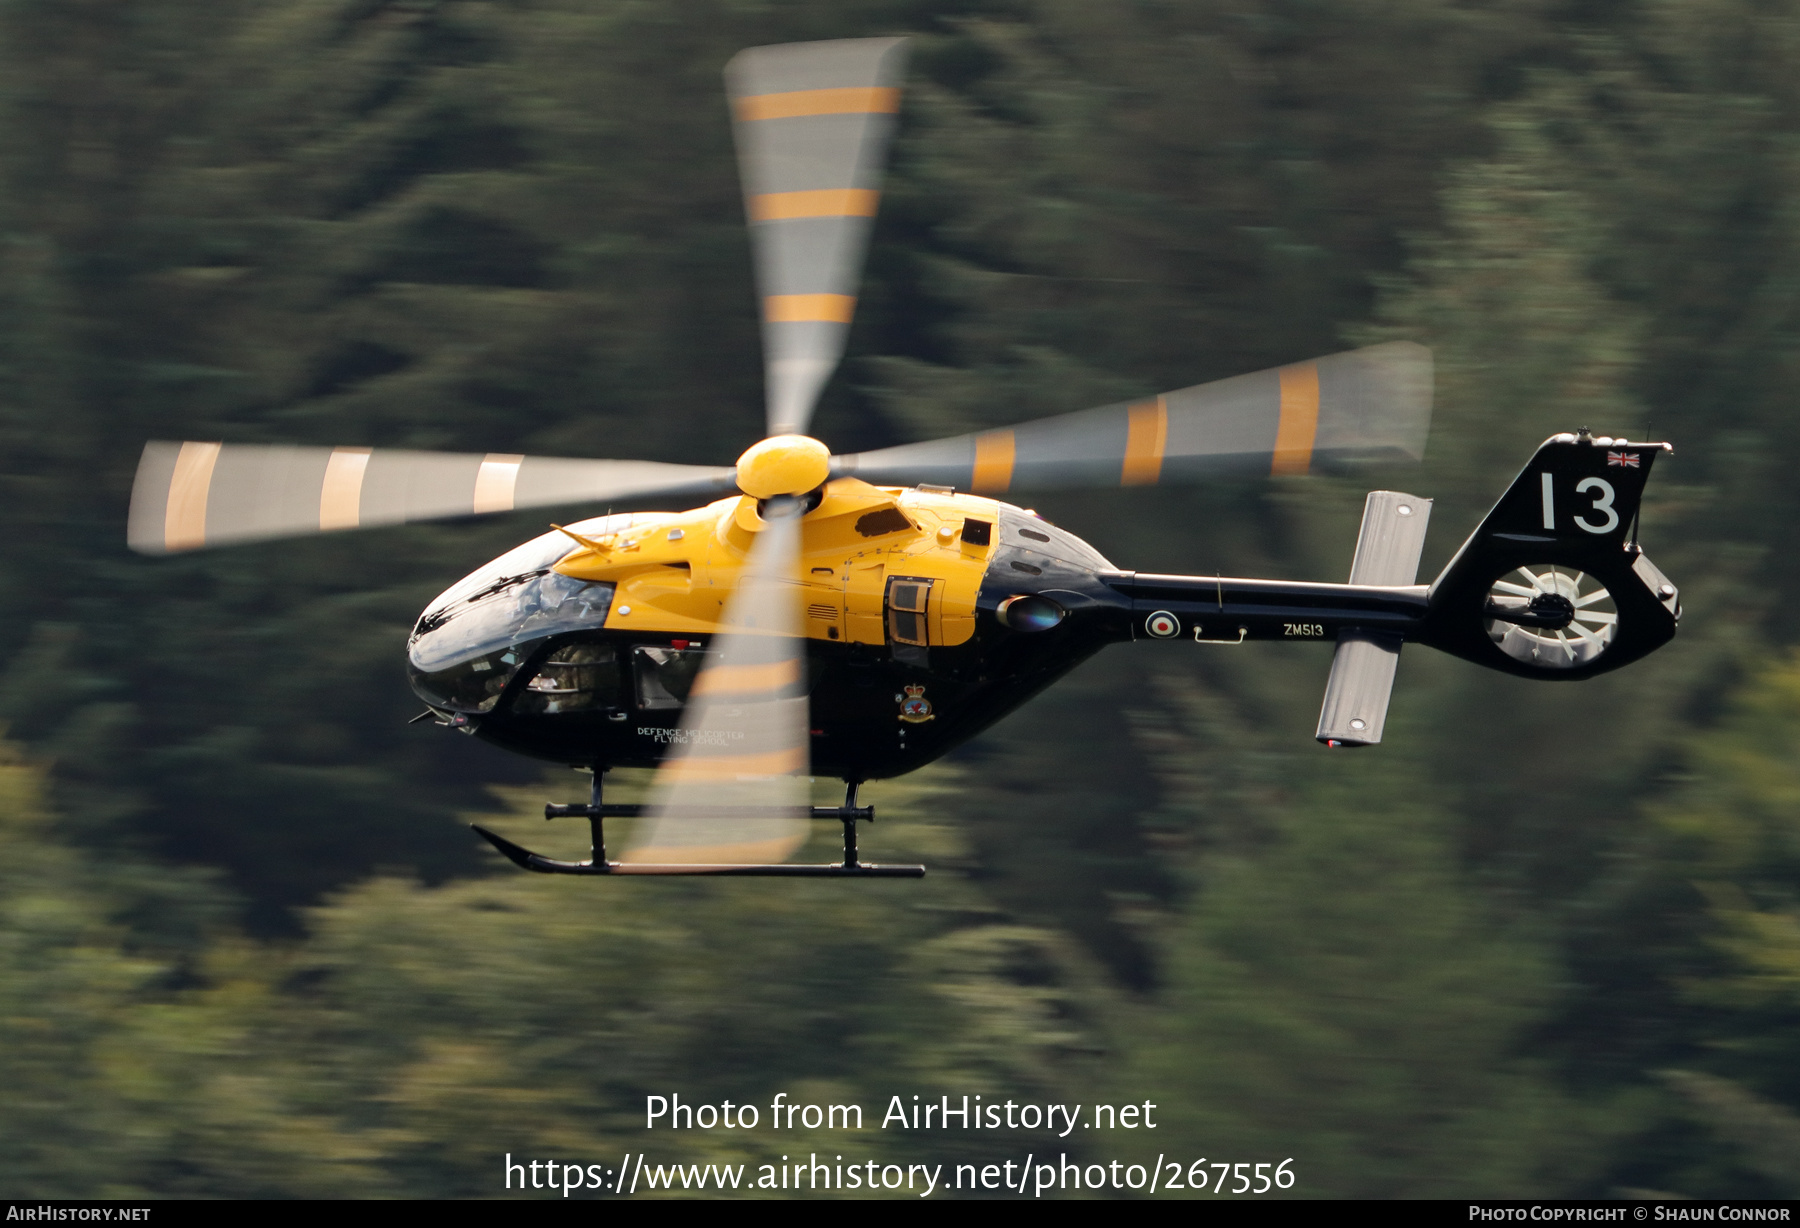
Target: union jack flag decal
point(1628, 460)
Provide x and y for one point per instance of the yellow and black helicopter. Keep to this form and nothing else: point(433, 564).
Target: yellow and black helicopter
point(857, 616)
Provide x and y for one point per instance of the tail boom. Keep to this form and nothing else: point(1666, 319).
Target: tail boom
point(1552, 585)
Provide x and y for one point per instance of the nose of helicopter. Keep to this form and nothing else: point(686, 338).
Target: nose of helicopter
point(783, 465)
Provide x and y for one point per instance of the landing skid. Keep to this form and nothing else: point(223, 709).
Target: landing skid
point(597, 812)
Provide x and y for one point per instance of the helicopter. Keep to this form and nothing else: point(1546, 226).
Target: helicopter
point(858, 616)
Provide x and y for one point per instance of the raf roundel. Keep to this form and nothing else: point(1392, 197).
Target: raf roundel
point(1163, 625)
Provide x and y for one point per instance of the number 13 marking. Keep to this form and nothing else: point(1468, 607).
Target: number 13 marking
point(1603, 502)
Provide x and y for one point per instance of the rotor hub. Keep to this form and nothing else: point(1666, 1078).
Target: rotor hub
point(783, 465)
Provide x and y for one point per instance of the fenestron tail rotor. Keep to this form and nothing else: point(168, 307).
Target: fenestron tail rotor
point(190, 495)
point(1551, 617)
point(1372, 404)
point(812, 121)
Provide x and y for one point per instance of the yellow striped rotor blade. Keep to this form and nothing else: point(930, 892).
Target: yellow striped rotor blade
point(734, 788)
point(1368, 405)
point(190, 495)
point(812, 122)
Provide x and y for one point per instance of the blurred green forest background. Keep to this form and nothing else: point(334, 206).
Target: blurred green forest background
point(1544, 941)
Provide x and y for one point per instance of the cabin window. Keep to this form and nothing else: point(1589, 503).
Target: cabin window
point(907, 598)
point(664, 675)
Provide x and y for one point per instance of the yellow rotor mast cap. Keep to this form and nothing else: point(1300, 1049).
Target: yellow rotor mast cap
point(783, 465)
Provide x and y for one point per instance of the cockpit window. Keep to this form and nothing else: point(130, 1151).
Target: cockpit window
point(471, 641)
point(468, 686)
point(528, 608)
point(463, 656)
point(519, 564)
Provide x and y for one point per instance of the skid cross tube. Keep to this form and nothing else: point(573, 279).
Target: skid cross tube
point(597, 812)
point(633, 810)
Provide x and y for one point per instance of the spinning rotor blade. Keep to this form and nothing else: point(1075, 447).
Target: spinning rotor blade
point(1372, 404)
point(812, 122)
point(189, 495)
point(735, 789)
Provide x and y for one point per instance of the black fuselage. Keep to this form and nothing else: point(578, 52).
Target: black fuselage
point(882, 710)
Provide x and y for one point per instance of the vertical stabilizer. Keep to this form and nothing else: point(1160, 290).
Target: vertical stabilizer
point(1553, 584)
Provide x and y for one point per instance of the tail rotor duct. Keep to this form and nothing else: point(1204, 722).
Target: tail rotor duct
point(1551, 617)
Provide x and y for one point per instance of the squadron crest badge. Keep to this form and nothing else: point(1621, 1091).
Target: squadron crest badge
point(915, 709)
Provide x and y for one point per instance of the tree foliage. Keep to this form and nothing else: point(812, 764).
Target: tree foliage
point(1543, 941)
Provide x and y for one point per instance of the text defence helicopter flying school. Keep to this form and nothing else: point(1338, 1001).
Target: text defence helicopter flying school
point(858, 616)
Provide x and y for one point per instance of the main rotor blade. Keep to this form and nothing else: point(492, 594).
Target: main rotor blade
point(189, 495)
point(743, 745)
point(1371, 404)
point(812, 122)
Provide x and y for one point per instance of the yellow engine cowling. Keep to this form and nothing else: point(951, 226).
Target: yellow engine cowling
point(675, 573)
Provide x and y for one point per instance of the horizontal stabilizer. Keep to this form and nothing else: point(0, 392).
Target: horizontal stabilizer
point(1356, 694)
point(1362, 672)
